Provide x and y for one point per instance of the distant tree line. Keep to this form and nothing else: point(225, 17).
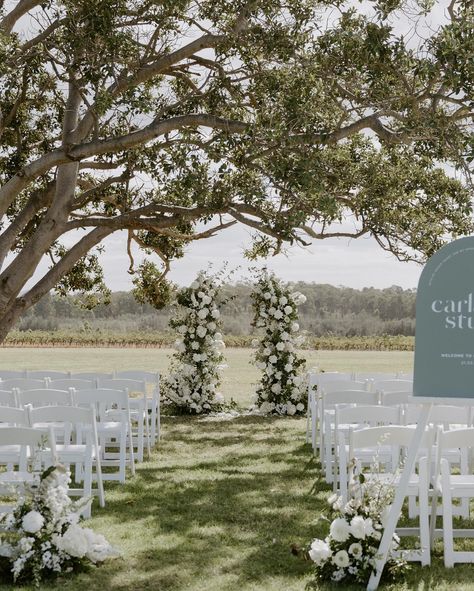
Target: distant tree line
point(332, 310)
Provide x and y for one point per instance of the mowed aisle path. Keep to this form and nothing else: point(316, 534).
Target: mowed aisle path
point(218, 507)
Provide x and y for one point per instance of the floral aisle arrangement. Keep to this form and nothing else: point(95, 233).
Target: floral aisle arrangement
point(192, 385)
point(42, 538)
point(282, 388)
point(348, 553)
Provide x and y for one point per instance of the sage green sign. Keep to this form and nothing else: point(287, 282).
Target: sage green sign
point(444, 343)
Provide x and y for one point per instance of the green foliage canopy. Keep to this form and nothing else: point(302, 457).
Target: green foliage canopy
point(175, 119)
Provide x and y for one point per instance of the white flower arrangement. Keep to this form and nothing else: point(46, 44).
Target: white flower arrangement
point(347, 555)
point(282, 389)
point(194, 379)
point(41, 537)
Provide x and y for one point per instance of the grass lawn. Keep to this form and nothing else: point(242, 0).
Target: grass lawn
point(238, 377)
point(219, 504)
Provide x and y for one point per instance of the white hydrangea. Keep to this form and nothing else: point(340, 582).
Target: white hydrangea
point(32, 522)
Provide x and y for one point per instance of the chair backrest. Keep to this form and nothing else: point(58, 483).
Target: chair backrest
point(399, 435)
point(55, 414)
point(340, 386)
point(24, 384)
point(75, 383)
point(372, 415)
point(13, 416)
point(330, 399)
point(394, 398)
point(102, 398)
point(374, 375)
point(92, 375)
point(44, 396)
point(393, 385)
point(9, 374)
point(52, 374)
point(28, 439)
point(405, 376)
point(8, 398)
point(440, 414)
point(123, 383)
point(138, 374)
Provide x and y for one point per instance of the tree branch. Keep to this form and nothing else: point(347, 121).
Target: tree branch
point(10, 19)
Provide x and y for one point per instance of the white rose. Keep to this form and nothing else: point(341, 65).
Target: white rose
point(288, 310)
point(206, 300)
point(300, 407)
point(32, 522)
point(288, 367)
point(267, 295)
point(182, 329)
point(295, 327)
point(339, 529)
point(273, 359)
point(284, 336)
point(267, 351)
point(276, 388)
point(201, 294)
point(360, 527)
point(283, 301)
point(196, 357)
point(203, 313)
point(219, 345)
point(255, 343)
point(195, 284)
point(356, 550)
point(280, 346)
point(272, 311)
point(341, 559)
point(274, 299)
point(290, 409)
point(319, 551)
point(216, 314)
point(195, 345)
point(278, 315)
point(211, 325)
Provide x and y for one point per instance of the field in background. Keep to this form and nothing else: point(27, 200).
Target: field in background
point(238, 377)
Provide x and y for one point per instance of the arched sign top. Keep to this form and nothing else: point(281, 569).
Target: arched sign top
point(444, 343)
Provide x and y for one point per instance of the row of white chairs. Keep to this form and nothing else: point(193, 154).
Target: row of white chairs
point(327, 389)
point(29, 441)
point(53, 379)
point(441, 471)
point(146, 404)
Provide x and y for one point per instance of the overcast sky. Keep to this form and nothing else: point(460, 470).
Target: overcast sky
point(353, 263)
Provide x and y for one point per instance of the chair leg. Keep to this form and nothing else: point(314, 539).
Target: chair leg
point(448, 537)
point(424, 513)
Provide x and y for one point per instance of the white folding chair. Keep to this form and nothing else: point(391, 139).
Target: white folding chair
point(138, 410)
point(152, 381)
point(84, 456)
point(50, 374)
point(449, 485)
point(13, 417)
point(350, 417)
point(399, 439)
point(114, 428)
point(22, 446)
point(371, 376)
point(326, 411)
point(315, 380)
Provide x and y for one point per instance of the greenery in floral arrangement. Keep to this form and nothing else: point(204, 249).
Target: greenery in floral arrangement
point(41, 537)
point(347, 555)
point(282, 389)
point(194, 377)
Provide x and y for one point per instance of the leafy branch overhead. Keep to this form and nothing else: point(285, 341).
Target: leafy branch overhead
point(174, 120)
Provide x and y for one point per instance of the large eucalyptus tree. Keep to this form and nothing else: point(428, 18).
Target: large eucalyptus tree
point(173, 119)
